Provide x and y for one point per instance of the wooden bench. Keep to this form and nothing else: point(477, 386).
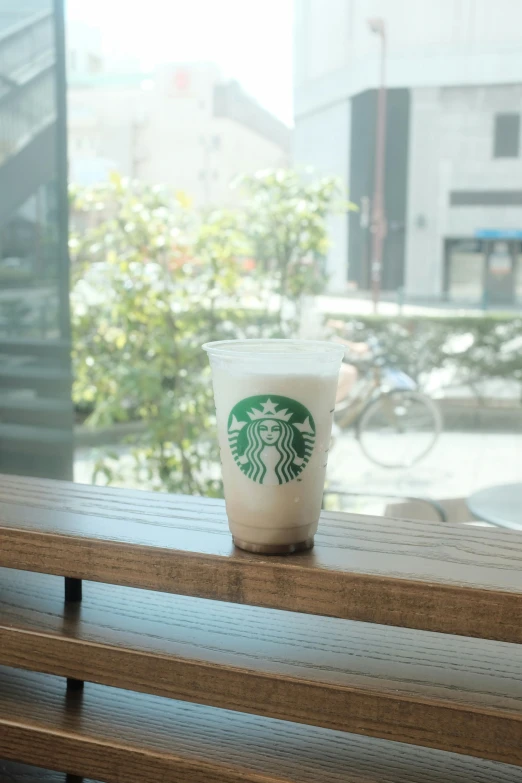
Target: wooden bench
point(388, 653)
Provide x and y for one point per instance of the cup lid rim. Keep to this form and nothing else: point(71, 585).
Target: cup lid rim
point(272, 347)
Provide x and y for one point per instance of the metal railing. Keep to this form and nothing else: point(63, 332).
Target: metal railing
point(24, 44)
point(27, 98)
point(25, 111)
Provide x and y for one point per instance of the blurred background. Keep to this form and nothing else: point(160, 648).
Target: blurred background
point(330, 169)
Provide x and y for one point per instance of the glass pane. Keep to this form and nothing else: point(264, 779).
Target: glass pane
point(35, 381)
point(354, 183)
point(507, 135)
point(466, 273)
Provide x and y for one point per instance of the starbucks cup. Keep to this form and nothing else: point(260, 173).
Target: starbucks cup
point(274, 404)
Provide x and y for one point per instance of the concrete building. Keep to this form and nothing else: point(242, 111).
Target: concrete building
point(453, 192)
point(84, 49)
point(183, 126)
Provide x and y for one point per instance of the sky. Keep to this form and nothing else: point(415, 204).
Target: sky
point(251, 40)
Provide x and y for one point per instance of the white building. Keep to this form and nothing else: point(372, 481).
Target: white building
point(183, 126)
point(453, 190)
point(84, 49)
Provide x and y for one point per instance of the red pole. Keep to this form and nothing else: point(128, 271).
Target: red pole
point(378, 211)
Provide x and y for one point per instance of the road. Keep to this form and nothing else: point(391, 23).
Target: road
point(460, 463)
point(362, 305)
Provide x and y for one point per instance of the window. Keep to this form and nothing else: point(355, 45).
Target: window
point(36, 416)
point(507, 136)
point(216, 259)
point(486, 198)
point(465, 261)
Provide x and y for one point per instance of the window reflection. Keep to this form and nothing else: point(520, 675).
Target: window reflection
point(35, 381)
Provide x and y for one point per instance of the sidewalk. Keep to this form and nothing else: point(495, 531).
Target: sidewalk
point(460, 463)
point(352, 304)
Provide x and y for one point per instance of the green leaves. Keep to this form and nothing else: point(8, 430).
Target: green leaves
point(153, 281)
point(468, 349)
point(286, 225)
point(151, 284)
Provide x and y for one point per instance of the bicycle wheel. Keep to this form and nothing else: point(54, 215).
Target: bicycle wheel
point(399, 428)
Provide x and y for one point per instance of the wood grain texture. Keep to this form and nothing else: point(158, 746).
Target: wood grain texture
point(11, 772)
point(123, 737)
point(452, 693)
point(411, 574)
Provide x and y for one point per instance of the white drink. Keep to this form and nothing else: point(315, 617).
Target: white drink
point(274, 425)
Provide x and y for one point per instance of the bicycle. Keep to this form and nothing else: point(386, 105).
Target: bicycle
point(384, 405)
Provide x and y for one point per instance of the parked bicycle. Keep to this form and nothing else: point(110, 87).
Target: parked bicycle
point(396, 424)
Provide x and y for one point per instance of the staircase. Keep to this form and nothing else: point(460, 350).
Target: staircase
point(35, 381)
point(27, 107)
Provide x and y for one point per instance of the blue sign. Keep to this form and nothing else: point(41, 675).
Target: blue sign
point(498, 233)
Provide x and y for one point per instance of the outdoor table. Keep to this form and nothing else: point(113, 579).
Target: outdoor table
point(388, 653)
point(500, 505)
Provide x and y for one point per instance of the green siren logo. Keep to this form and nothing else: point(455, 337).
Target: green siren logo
point(271, 438)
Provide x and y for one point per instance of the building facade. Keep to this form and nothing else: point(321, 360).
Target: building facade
point(182, 125)
point(453, 198)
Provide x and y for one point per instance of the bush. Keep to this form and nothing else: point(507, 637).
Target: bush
point(285, 222)
point(471, 349)
point(152, 282)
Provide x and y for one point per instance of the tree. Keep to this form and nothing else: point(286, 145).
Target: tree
point(151, 284)
point(286, 222)
point(153, 281)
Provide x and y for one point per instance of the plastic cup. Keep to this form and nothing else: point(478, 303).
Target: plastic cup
point(274, 404)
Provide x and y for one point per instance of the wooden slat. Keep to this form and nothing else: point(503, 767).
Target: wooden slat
point(403, 573)
point(123, 737)
point(452, 693)
point(11, 772)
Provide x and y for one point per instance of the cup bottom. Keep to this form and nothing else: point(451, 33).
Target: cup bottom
point(274, 549)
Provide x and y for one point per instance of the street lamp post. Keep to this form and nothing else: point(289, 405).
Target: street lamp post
point(378, 226)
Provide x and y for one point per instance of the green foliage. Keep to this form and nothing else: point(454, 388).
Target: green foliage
point(286, 224)
point(471, 349)
point(151, 285)
point(153, 281)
